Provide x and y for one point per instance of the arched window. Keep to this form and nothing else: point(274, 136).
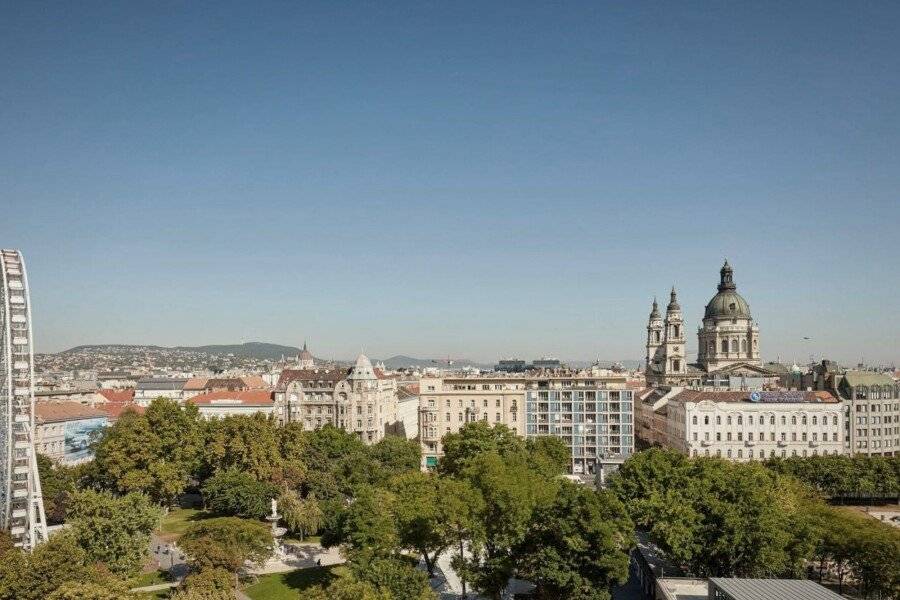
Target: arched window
point(676, 330)
point(740, 420)
point(743, 345)
point(694, 420)
point(706, 420)
point(711, 347)
point(734, 345)
point(656, 336)
point(724, 345)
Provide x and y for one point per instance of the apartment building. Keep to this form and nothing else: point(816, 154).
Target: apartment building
point(361, 400)
point(872, 407)
point(755, 425)
point(591, 411)
point(446, 403)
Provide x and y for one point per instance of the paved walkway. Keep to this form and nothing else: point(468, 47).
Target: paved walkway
point(300, 556)
point(155, 588)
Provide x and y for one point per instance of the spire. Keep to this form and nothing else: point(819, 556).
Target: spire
point(673, 301)
point(304, 345)
point(726, 281)
point(654, 314)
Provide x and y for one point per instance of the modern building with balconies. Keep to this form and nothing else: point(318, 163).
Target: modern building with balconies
point(591, 411)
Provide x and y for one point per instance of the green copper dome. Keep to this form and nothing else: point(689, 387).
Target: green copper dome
point(727, 304)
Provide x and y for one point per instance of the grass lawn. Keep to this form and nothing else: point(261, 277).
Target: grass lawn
point(177, 521)
point(284, 586)
point(145, 579)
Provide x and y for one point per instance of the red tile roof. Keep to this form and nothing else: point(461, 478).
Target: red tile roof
point(195, 383)
point(57, 412)
point(245, 397)
point(114, 410)
point(255, 382)
point(126, 395)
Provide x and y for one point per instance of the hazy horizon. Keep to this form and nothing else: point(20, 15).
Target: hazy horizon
point(442, 179)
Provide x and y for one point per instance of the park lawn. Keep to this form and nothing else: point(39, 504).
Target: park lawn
point(145, 579)
point(285, 586)
point(176, 522)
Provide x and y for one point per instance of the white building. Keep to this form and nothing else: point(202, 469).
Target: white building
point(216, 405)
point(754, 425)
point(148, 390)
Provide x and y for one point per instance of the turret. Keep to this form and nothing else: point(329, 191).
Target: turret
point(674, 336)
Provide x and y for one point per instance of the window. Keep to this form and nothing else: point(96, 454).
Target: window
point(694, 420)
point(724, 345)
point(706, 420)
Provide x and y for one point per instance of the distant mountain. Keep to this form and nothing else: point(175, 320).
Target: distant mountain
point(247, 349)
point(251, 349)
point(396, 362)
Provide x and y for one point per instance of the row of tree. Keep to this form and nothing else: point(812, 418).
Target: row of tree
point(845, 477)
point(727, 519)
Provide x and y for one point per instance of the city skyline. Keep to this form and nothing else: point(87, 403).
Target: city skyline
point(437, 180)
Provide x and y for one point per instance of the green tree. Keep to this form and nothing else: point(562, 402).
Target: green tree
point(35, 576)
point(367, 526)
point(421, 515)
point(90, 591)
point(347, 588)
point(113, 530)
point(207, 584)
point(395, 454)
point(395, 578)
point(155, 453)
point(226, 543)
point(512, 492)
point(475, 438)
point(57, 485)
point(578, 546)
point(549, 455)
point(249, 444)
point(300, 515)
point(237, 493)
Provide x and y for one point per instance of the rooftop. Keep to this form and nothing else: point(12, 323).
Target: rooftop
point(774, 397)
point(773, 589)
point(243, 397)
point(126, 395)
point(855, 378)
point(58, 412)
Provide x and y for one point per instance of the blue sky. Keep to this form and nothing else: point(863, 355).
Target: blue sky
point(452, 178)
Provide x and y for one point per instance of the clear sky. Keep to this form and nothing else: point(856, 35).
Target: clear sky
point(470, 179)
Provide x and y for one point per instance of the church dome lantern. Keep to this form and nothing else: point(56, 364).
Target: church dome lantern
point(728, 303)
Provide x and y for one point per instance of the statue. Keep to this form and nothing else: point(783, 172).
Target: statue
point(274, 507)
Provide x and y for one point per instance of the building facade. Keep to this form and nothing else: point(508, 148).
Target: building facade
point(728, 344)
point(361, 400)
point(65, 431)
point(591, 411)
point(446, 403)
point(754, 425)
point(872, 407)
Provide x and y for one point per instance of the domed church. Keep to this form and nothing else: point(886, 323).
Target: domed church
point(728, 343)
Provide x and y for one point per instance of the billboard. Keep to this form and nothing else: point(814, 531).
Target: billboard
point(79, 435)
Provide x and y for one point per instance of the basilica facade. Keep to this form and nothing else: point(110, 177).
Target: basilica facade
point(728, 343)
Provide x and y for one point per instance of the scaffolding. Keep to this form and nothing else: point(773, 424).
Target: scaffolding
point(21, 504)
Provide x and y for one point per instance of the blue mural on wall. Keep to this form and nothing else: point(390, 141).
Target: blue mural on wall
point(79, 435)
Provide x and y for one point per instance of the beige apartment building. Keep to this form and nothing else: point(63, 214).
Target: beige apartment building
point(446, 403)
